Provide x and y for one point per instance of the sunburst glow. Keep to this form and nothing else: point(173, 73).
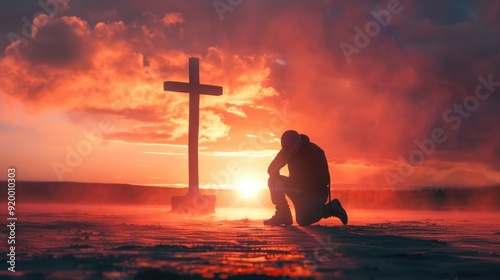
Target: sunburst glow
point(249, 188)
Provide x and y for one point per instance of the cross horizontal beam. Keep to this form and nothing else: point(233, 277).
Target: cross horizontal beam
point(192, 88)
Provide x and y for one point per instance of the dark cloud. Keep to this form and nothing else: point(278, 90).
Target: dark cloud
point(59, 44)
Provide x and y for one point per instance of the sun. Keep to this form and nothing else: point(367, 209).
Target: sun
point(249, 189)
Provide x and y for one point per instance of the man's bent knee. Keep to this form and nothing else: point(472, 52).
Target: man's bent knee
point(276, 182)
point(303, 222)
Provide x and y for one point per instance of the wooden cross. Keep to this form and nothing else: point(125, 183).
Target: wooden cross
point(194, 88)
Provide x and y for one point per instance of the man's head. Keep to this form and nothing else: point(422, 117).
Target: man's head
point(290, 142)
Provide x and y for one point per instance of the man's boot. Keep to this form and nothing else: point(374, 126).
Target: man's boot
point(334, 209)
point(283, 216)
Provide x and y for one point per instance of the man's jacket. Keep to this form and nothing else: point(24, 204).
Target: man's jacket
point(308, 167)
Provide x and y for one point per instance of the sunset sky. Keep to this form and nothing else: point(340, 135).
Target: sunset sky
point(415, 102)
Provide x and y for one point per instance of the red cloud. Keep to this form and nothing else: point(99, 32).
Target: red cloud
point(117, 69)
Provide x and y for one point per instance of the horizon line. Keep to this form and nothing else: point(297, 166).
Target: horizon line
point(230, 187)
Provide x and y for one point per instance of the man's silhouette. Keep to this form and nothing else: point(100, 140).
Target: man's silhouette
point(307, 185)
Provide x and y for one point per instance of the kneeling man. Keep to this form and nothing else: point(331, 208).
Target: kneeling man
point(308, 184)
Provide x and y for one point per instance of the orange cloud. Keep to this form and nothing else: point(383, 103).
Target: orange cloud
point(117, 70)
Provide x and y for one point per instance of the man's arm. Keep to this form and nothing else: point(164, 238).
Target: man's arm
point(278, 162)
point(326, 172)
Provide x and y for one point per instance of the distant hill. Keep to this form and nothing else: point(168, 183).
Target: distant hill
point(96, 193)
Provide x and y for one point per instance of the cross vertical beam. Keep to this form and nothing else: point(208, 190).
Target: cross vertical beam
point(194, 201)
point(194, 124)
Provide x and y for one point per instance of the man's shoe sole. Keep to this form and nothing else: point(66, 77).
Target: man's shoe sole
point(344, 217)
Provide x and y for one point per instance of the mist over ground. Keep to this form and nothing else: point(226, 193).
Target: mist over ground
point(449, 198)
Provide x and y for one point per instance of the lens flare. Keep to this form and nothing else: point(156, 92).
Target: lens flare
point(249, 189)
